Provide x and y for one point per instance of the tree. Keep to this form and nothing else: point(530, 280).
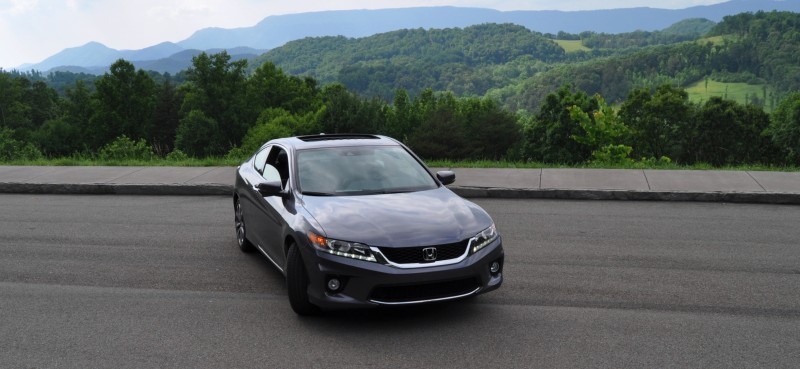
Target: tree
point(57, 137)
point(43, 101)
point(603, 132)
point(70, 132)
point(198, 135)
point(657, 121)
point(440, 136)
point(548, 136)
point(216, 87)
point(785, 128)
point(345, 112)
point(14, 111)
point(726, 132)
point(490, 130)
point(275, 123)
point(270, 87)
point(13, 149)
point(400, 120)
point(124, 103)
point(166, 118)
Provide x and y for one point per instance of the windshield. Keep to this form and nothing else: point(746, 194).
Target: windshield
point(361, 170)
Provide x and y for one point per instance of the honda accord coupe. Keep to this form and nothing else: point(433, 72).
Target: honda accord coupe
point(360, 221)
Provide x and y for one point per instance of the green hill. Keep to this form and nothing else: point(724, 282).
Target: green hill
point(464, 60)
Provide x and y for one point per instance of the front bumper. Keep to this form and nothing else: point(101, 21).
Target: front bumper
point(369, 284)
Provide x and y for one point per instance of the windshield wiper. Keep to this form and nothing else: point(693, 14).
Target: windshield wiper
point(313, 193)
point(375, 191)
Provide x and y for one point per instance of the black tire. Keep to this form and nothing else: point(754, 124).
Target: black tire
point(241, 230)
point(297, 283)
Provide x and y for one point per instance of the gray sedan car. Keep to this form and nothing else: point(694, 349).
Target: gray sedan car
point(360, 221)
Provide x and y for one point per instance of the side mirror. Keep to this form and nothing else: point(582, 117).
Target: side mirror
point(271, 188)
point(446, 177)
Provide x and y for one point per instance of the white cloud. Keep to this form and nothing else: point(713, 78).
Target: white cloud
point(17, 7)
point(182, 10)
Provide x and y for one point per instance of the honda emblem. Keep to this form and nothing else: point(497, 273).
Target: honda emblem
point(429, 254)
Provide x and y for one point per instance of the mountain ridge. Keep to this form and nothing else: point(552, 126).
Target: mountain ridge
point(276, 30)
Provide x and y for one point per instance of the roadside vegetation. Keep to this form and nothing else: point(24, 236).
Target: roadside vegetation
point(497, 95)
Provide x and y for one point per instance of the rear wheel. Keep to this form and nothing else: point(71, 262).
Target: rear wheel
point(241, 230)
point(297, 283)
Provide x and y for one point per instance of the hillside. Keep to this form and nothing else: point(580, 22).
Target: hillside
point(519, 67)
point(443, 59)
point(468, 61)
point(275, 31)
point(758, 49)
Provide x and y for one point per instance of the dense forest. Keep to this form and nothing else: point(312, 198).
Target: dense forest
point(483, 92)
point(468, 61)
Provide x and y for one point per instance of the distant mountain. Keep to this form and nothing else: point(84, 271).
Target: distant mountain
point(275, 31)
point(162, 50)
point(95, 58)
point(183, 59)
point(91, 54)
point(694, 26)
point(94, 55)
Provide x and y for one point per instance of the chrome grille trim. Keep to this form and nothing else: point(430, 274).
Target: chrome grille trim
point(426, 301)
point(459, 259)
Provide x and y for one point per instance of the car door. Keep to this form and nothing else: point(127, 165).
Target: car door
point(271, 215)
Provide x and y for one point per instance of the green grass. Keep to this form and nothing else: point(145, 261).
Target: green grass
point(571, 45)
point(739, 92)
point(714, 40)
point(637, 165)
point(223, 162)
point(77, 161)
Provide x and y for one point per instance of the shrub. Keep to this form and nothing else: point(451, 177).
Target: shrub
point(237, 154)
point(123, 148)
point(177, 155)
point(12, 149)
point(784, 129)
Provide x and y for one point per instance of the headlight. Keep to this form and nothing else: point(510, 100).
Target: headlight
point(353, 250)
point(483, 239)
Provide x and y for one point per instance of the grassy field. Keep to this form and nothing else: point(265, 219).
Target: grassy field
point(571, 45)
point(739, 92)
point(88, 162)
point(636, 165)
point(713, 39)
point(223, 162)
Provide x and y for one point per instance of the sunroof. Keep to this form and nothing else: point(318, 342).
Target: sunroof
point(324, 137)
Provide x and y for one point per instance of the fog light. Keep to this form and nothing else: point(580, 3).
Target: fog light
point(495, 267)
point(334, 284)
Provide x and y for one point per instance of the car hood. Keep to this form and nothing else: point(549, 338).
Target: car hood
point(431, 217)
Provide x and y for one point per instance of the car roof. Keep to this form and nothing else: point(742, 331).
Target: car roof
point(334, 140)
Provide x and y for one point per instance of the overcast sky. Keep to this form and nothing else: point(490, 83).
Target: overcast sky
point(32, 30)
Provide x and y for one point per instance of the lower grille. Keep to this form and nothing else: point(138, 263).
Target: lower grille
point(424, 292)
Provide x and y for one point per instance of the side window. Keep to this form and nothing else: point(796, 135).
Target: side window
point(279, 159)
point(261, 159)
point(271, 174)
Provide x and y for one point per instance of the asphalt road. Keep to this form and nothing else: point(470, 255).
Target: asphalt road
point(138, 282)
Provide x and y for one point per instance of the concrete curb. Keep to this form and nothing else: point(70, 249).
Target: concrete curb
point(628, 195)
point(118, 189)
point(468, 192)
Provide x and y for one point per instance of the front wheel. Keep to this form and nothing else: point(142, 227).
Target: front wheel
point(297, 283)
point(241, 230)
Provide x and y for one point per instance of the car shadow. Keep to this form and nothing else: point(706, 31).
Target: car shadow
point(398, 318)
